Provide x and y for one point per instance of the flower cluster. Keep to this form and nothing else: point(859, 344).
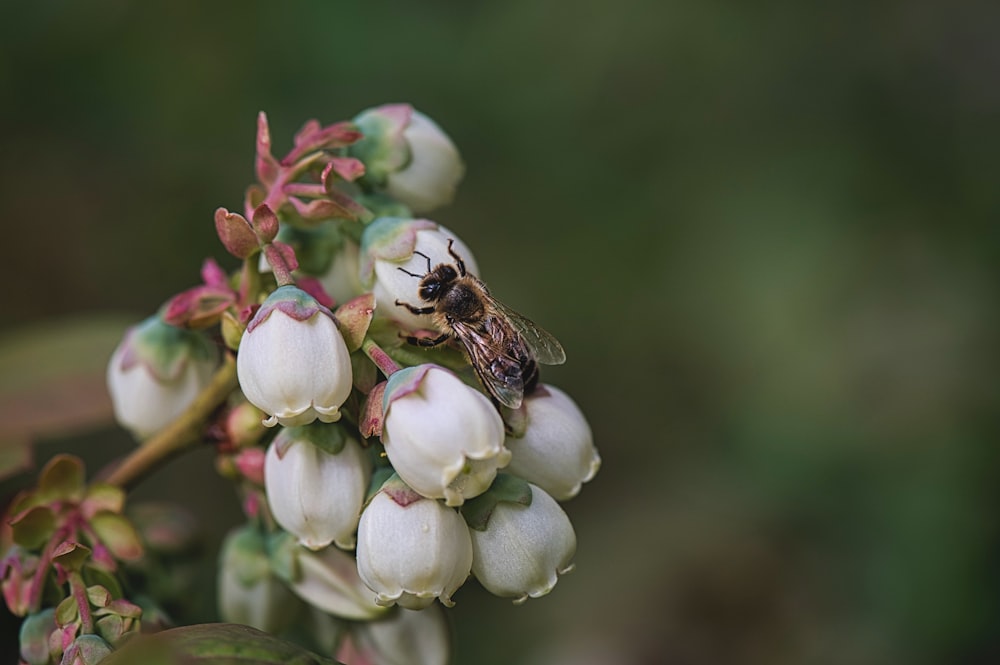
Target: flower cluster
point(389, 435)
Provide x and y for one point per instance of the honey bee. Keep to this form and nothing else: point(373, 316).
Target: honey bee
point(503, 346)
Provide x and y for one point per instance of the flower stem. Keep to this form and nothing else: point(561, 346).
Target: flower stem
point(378, 356)
point(79, 591)
point(183, 433)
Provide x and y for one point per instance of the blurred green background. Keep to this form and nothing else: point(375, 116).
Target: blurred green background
point(765, 232)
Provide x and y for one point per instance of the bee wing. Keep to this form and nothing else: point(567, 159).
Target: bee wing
point(499, 372)
point(546, 348)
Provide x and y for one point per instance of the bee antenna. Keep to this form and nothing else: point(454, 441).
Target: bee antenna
point(411, 274)
point(426, 257)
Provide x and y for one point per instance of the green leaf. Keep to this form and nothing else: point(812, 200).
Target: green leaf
point(505, 487)
point(67, 611)
point(118, 534)
point(213, 644)
point(328, 437)
point(101, 496)
point(71, 555)
point(98, 596)
point(32, 528)
point(61, 478)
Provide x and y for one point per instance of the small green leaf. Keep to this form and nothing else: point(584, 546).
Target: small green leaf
point(101, 496)
point(505, 487)
point(98, 596)
point(67, 611)
point(118, 534)
point(62, 479)
point(328, 437)
point(213, 644)
point(32, 528)
point(70, 555)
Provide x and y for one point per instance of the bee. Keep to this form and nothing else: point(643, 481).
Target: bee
point(503, 346)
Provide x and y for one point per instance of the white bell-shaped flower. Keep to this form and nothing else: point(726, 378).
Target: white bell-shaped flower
point(557, 450)
point(395, 254)
point(523, 548)
point(443, 437)
point(156, 372)
point(409, 156)
point(412, 550)
point(316, 477)
point(293, 363)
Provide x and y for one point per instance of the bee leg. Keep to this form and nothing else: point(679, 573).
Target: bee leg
point(428, 341)
point(415, 310)
point(458, 259)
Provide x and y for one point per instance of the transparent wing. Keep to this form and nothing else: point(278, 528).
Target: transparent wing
point(546, 348)
point(499, 372)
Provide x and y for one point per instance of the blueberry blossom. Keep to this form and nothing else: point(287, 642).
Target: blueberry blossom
point(443, 437)
point(408, 156)
point(316, 477)
point(557, 450)
point(412, 550)
point(293, 363)
point(248, 592)
point(156, 372)
point(521, 539)
point(393, 251)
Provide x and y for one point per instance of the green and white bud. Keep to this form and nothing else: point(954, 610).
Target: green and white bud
point(408, 156)
point(156, 372)
point(523, 549)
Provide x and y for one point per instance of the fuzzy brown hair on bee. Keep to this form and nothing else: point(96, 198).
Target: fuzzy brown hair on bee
point(503, 347)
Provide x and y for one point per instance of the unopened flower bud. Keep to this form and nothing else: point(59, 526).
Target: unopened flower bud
point(557, 450)
point(156, 372)
point(523, 548)
point(293, 363)
point(443, 437)
point(314, 493)
point(412, 550)
point(393, 250)
point(248, 592)
point(408, 155)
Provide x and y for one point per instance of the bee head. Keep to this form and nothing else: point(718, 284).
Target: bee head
point(436, 280)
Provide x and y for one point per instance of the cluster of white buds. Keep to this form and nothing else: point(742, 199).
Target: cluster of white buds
point(386, 491)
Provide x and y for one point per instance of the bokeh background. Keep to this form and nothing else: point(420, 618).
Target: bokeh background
point(765, 232)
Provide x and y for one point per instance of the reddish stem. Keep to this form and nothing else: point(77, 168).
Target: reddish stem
point(381, 359)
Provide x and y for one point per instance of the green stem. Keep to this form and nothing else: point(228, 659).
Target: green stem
point(183, 433)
